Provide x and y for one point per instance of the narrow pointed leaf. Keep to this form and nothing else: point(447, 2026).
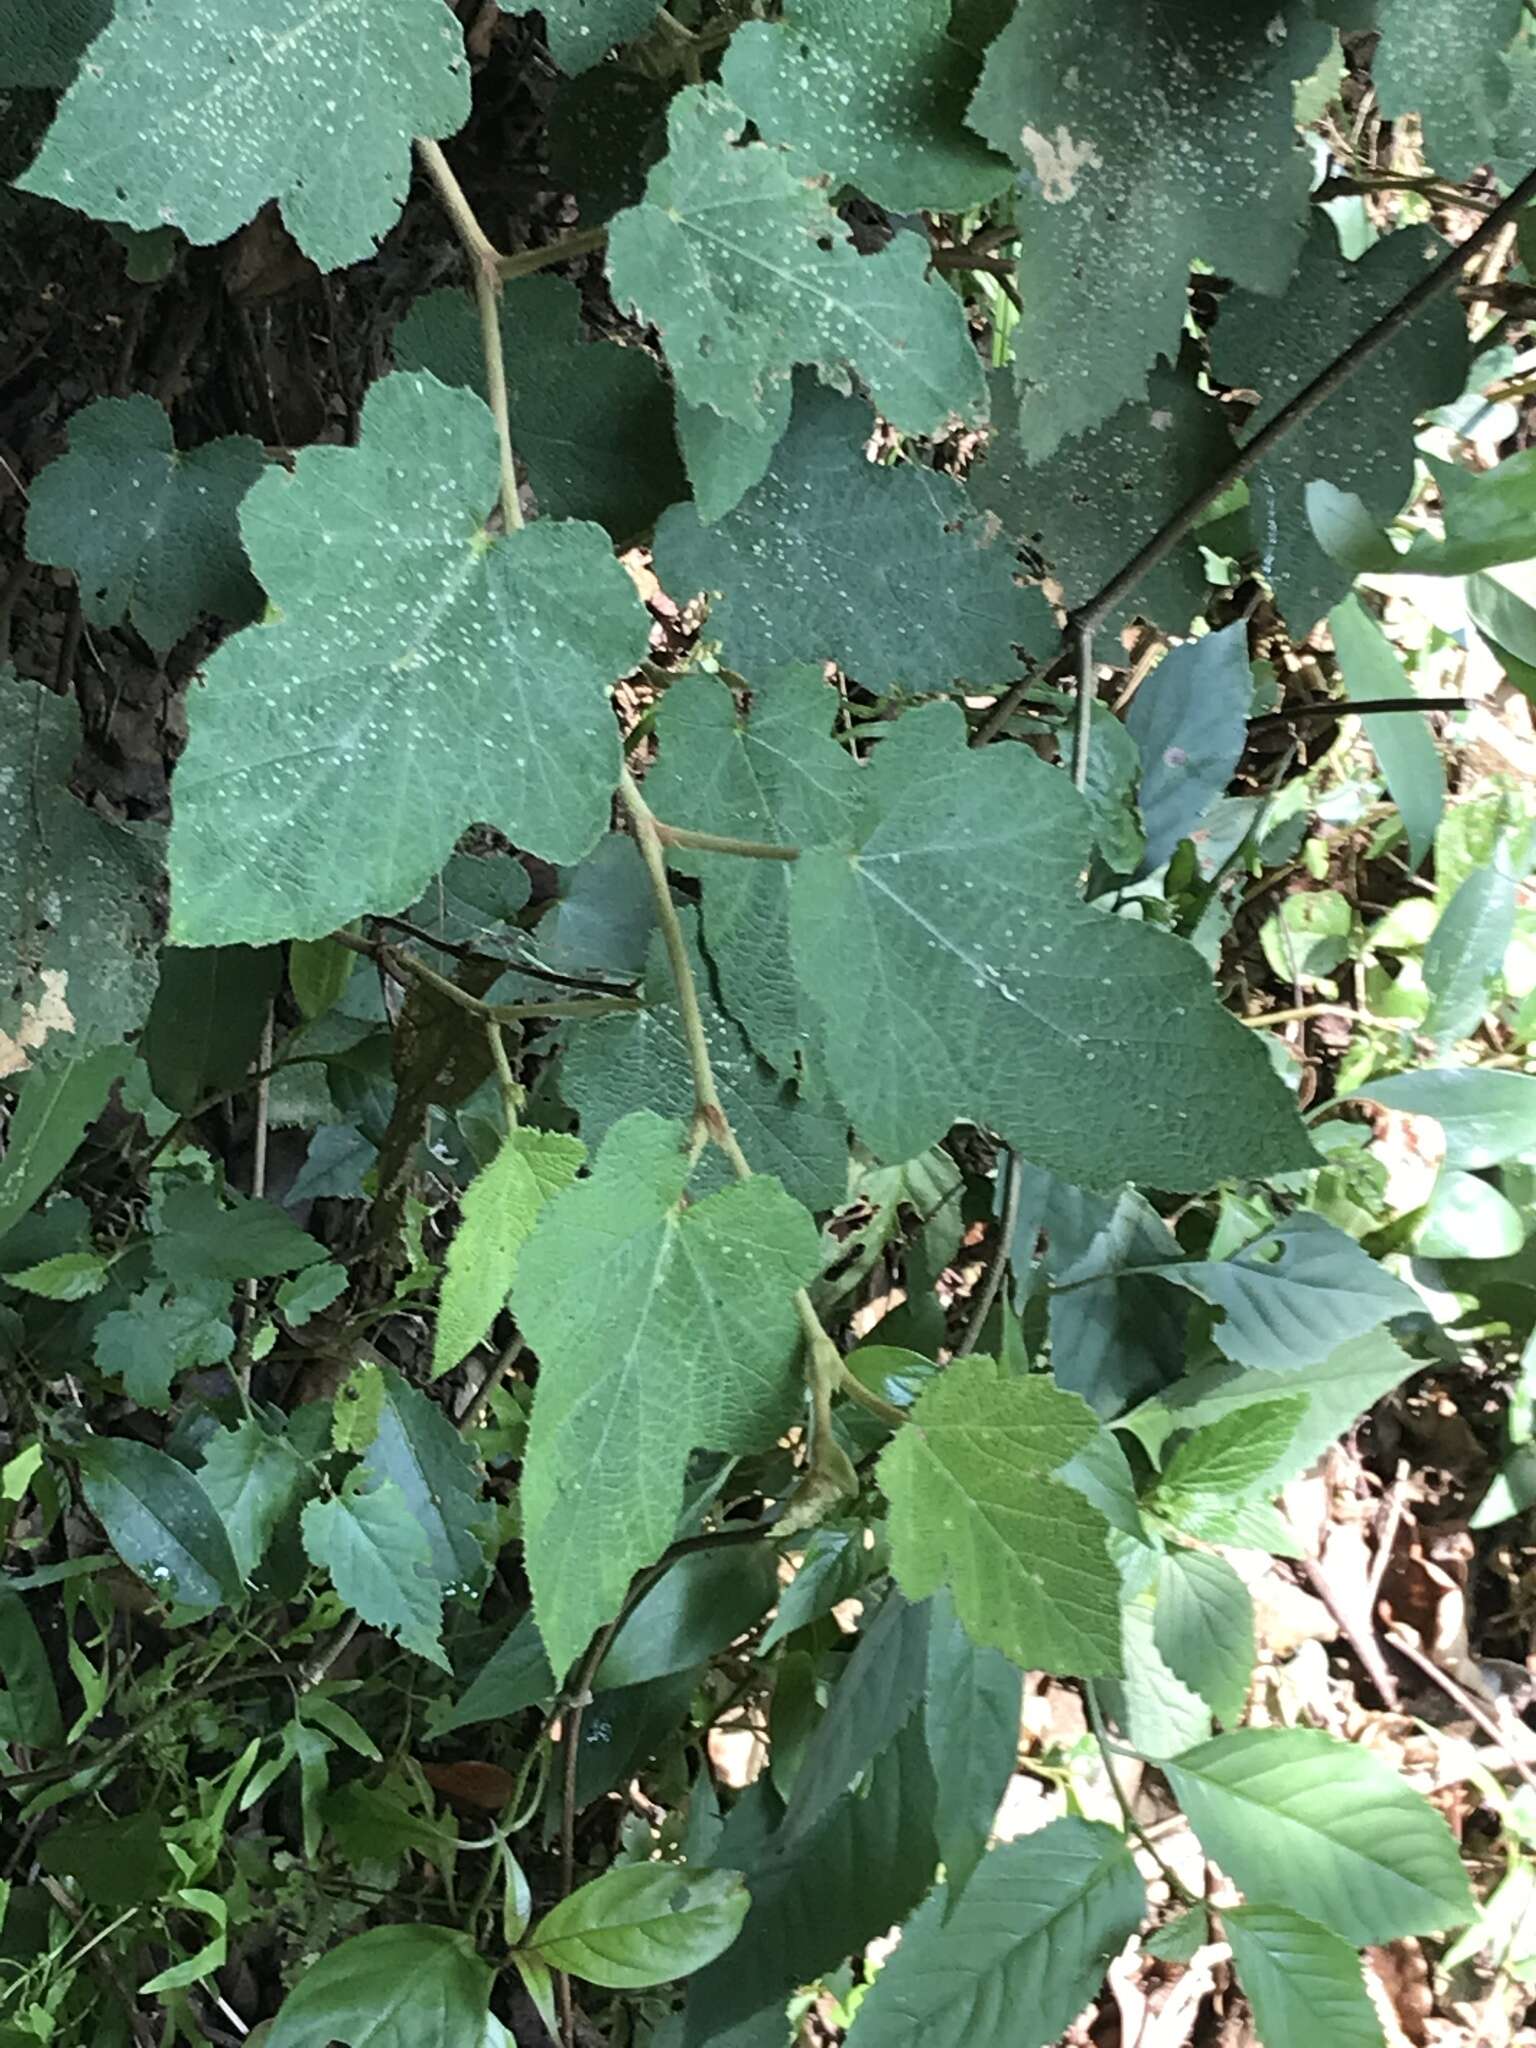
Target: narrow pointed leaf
point(1305, 1984)
point(1014, 1962)
point(1296, 1818)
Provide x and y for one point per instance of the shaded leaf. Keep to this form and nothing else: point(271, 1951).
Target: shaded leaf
point(1362, 447)
point(42, 45)
point(417, 1449)
point(1295, 1294)
point(776, 777)
point(832, 558)
point(392, 1987)
point(159, 1521)
point(582, 32)
point(615, 1062)
point(971, 1713)
point(609, 457)
point(1404, 746)
point(152, 533)
point(1189, 720)
point(205, 1024)
point(255, 1480)
point(1445, 63)
point(201, 1238)
point(78, 894)
point(1083, 505)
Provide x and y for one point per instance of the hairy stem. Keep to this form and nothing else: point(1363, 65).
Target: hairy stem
point(714, 842)
point(485, 267)
point(527, 261)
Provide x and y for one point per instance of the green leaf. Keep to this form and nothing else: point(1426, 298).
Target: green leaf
point(117, 1863)
point(1488, 1114)
point(1179, 1940)
point(53, 1111)
point(318, 973)
point(609, 457)
point(817, 1897)
point(205, 1025)
point(151, 1340)
point(515, 1676)
point(834, 1566)
point(1109, 792)
point(1203, 1629)
point(725, 459)
point(582, 32)
point(1303, 1982)
point(72, 1276)
point(1160, 1714)
point(29, 1703)
point(978, 1504)
point(418, 1450)
point(1145, 138)
point(971, 1712)
point(1012, 1963)
point(1367, 453)
point(78, 894)
point(1145, 462)
point(1295, 1294)
point(605, 915)
point(704, 1601)
point(193, 118)
point(1487, 516)
point(875, 1696)
point(1116, 1335)
point(612, 1064)
point(875, 100)
point(496, 1214)
point(255, 1480)
point(380, 1563)
point(745, 268)
point(306, 1294)
point(410, 642)
point(681, 1337)
point(199, 1238)
point(392, 1987)
point(1189, 720)
point(42, 45)
point(152, 534)
point(1298, 1819)
point(159, 1521)
point(959, 974)
point(889, 576)
point(1445, 63)
point(1466, 949)
point(1337, 1392)
point(1231, 1461)
point(1469, 1218)
point(1405, 747)
point(779, 778)
point(630, 1928)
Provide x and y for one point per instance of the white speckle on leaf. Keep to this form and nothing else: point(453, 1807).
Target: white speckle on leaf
point(1058, 160)
point(49, 1013)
